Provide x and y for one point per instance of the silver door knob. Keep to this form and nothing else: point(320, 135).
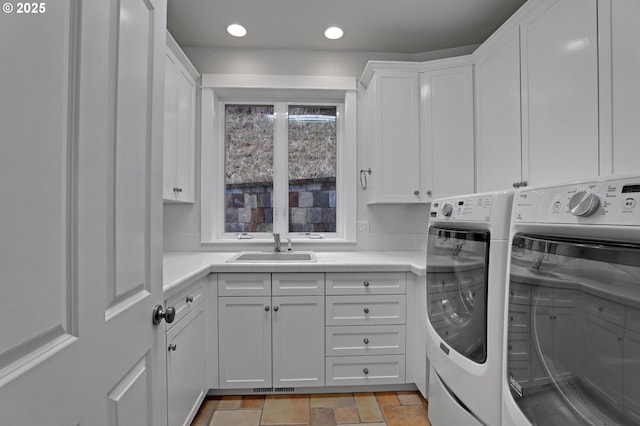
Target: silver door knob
point(366, 310)
point(366, 341)
point(267, 308)
point(366, 283)
point(172, 347)
point(276, 308)
point(365, 371)
point(159, 314)
point(416, 192)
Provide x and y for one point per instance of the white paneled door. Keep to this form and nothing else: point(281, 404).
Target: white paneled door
point(81, 213)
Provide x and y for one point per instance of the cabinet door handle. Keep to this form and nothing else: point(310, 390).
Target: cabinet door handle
point(416, 192)
point(159, 314)
point(276, 309)
point(366, 310)
point(523, 183)
point(365, 371)
point(516, 184)
point(267, 308)
point(366, 283)
point(366, 341)
point(189, 299)
point(172, 347)
point(428, 192)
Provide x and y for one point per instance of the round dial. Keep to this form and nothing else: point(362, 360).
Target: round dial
point(447, 209)
point(583, 203)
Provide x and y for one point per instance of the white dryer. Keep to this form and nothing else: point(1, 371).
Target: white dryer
point(572, 317)
point(466, 275)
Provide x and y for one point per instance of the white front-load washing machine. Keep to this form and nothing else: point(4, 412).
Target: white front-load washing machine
point(466, 262)
point(572, 315)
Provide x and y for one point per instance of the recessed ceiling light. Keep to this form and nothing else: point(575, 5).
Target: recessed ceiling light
point(237, 30)
point(333, 33)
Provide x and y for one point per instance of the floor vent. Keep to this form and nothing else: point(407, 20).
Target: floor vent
point(262, 390)
point(284, 389)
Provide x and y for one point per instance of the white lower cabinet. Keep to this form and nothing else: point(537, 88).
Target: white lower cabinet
point(185, 340)
point(365, 333)
point(271, 341)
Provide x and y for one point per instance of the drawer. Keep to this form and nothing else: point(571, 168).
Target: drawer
point(365, 310)
point(605, 309)
point(438, 282)
point(365, 370)
point(186, 300)
point(297, 284)
point(633, 320)
point(518, 347)
point(251, 284)
point(519, 319)
point(373, 283)
point(519, 294)
point(365, 340)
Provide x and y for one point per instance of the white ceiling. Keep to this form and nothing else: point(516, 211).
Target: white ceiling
point(400, 26)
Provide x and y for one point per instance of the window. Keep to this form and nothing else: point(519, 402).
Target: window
point(278, 166)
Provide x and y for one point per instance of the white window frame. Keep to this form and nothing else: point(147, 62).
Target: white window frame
point(281, 91)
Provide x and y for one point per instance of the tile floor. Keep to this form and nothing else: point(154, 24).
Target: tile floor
point(345, 409)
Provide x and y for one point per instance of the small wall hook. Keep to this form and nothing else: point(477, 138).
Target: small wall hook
point(363, 177)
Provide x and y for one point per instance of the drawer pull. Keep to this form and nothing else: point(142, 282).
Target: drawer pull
point(276, 309)
point(267, 308)
point(366, 310)
point(366, 341)
point(365, 371)
point(366, 283)
point(172, 347)
point(189, 299)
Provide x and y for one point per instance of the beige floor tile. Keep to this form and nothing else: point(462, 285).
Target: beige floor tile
point(332, 400)
point(286, 410)
point(230, 402)
point(345, 415)
point(323, 416)
point(236, 418)
point(409, 398)
point(252, 401)
point(368, 407)
point(387, 398)
point(203, 417)
point(406, 415)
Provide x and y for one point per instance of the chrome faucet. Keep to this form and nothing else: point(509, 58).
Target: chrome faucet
point(276, 242)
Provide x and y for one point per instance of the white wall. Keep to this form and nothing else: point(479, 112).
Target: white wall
point(391, 227)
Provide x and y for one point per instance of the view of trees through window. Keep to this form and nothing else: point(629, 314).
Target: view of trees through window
point(310, 145)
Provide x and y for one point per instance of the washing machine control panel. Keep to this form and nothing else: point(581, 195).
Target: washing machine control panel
point(601, 202)
point(466, 208)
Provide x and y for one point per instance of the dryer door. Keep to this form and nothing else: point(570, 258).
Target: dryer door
point(457, 289)
point(573, 352)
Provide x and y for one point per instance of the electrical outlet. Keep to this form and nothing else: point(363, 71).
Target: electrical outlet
point(363, 226)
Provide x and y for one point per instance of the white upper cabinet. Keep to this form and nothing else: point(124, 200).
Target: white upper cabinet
point(391, 112)
point(446, 130)
point(418, 120)
point(559, 52)
point(180, 126)
point(619, 89)
point(497, 88)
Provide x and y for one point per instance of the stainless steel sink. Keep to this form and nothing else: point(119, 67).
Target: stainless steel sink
point(272, 256)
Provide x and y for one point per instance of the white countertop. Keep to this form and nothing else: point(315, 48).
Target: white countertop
point(183, 268)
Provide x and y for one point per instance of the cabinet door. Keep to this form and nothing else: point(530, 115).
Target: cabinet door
point(498, 132)
point(170, 126)
point(601, 359)
point(244, 336)
point(298, 341)
point(560, 92)
point(185, 368)
point(631, 372)
point(185, 135)
point(396, 171)
point(620, 67)
point(447, 131)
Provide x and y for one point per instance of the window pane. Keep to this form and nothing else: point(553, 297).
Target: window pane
point(312, 168)
point(249, 168)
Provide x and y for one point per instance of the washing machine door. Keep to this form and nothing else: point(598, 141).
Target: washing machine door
point(573, 339)
point(457, 289)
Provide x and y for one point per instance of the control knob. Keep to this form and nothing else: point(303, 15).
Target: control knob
point(584, 203)
point(447, 209)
